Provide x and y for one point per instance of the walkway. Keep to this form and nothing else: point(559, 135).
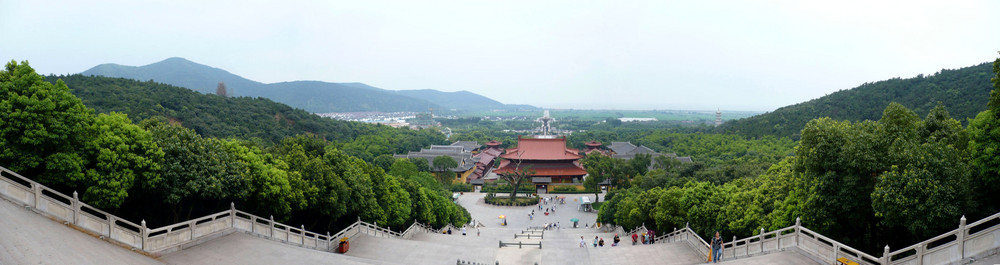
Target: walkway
point(30, 238)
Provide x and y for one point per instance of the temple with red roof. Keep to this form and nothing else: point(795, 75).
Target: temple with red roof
point(549, 159)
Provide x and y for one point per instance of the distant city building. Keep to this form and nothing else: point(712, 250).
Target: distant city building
point(636, 119)
point(626, 150)
point(424, 120)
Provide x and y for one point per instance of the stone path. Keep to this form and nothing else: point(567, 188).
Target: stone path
point(30, 238)
point(242, 248)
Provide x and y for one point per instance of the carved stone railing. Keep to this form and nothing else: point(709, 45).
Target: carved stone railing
point(959, 246)
point(162, 240)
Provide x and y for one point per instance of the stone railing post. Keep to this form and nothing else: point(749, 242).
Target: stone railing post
point(111, 225)
point(761, 240)
point(961, 237)
point(329, 240)
point(191, 225)
point(836, 251)
point(885, 256)
point(687, 235)
point(920, 254)
point(143, 233)
point(798, 230)
point(37, 189)
point(270, 234)
point(288, 231)
point(733, 247)
point(76, 208)
point(232, 214)
point(253, 224)
point(303, 232)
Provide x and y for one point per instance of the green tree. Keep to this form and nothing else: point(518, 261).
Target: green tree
point(121, 155)
point(984, 132)
point(41, 126)
point(443, 163)
point(196, 172)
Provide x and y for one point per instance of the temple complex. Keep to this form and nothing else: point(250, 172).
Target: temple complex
point(548, 159)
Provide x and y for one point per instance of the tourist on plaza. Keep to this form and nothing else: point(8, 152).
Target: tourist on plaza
point(601, 243)
point(652, 236)
point(463, 230)
point(595, 241)
point(449, 230)
point(635, 238)
point(477, 231)
point(583, 243)
point(617, 239)
point(716, 247)
point(643, 238)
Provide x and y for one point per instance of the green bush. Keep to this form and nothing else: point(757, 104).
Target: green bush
point(461, 187)
point(502, 200)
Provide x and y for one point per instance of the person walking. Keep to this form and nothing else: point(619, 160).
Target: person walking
point(583, 243)
point(463, 230)
point(477, 231)
point(617, 239)
point(635, 238)
point(595, 241)
point(716, 247)
point(601, 243)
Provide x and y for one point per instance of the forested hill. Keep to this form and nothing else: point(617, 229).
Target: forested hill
point(312, 96)
point(963, 91)
point(216, 116)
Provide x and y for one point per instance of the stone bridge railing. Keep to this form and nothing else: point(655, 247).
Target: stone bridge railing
point(177, 236)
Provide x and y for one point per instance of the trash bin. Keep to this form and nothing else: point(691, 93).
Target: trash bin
point(344, 245)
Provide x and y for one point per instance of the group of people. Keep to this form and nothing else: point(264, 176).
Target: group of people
point(546, 201)
point(648, 237)
point(599, 241)
point(550, 226)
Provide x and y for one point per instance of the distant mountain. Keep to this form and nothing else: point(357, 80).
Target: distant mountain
point(964, 92)
point(460, 100)
point(312, 96)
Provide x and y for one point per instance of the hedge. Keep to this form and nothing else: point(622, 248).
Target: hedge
point(492, 199)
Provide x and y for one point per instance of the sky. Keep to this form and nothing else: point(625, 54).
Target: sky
point(692, 55)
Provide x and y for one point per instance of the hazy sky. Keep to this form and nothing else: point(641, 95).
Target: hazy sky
point(733, 55)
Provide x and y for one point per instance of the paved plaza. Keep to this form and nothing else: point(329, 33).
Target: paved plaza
point(30, 238)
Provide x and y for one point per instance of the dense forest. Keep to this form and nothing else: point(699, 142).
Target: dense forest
point(962, 91)
point(891, 181)
point(160, 170)
point(257, 120)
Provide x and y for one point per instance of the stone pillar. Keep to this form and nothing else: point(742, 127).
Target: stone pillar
point(836, 251)
point(288, 231)
point(37, 189)
point(733, 248)
point(253, 224)
point(76, 208)
point(191, 225)
point(303, 232)
point(111, 225)
point(961, 237)
point(885, 256)
point(920, 254)
point(761, 240)
point(143, 233)
point(271, 225)
point(798, 230)
point(232, 214)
